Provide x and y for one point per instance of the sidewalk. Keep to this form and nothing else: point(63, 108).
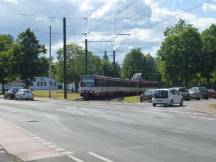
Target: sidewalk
point(204, 107)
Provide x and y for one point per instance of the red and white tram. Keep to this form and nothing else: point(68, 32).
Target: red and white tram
point(100, 86)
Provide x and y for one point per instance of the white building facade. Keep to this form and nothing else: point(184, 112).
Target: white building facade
point(42, 83)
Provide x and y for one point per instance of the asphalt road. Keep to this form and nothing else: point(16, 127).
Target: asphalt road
point(97, 131)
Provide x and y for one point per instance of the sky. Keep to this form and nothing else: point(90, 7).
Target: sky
point(119, 25)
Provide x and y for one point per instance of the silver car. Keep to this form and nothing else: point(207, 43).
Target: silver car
point(24, 94)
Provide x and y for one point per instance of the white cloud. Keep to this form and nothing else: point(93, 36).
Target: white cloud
point(9, 1)
point(142, 34)
point(209, 7)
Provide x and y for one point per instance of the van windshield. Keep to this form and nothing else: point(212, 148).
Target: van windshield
point(161, 94)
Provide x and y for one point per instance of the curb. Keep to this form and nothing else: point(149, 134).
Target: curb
point(204, 112)
point(9, 156)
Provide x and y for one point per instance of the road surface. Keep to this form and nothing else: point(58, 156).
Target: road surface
point(97, 131)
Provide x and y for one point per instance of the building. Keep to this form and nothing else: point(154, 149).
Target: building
point(42, 83)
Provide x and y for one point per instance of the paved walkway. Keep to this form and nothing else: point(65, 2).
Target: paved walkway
point(17, 143)
point(204, 107)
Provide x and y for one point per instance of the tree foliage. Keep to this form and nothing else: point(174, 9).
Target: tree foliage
point(179, 54)
point(208, 67)
point(136, 62)
point(6, 59)
point(29, 59)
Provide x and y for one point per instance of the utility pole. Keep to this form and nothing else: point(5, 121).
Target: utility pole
point(86, 56)
point(50, 59)
point(65, 58)
point(114, 57)
point(137, 90)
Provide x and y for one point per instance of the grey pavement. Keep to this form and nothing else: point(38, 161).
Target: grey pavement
point(97, 131)
point(4, 157)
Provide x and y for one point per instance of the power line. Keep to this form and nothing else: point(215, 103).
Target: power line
point(141, 11)
point(177, 14)
point(118, 12)
point(170, 17)
point(100, 5)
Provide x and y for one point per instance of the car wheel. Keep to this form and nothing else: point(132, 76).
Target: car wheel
point(198, 98)
point(182, 102)
point(150, 100)
point(171, 103)
point(154, 105)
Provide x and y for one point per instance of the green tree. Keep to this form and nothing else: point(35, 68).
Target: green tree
point(76, 64)
point(208, 67)
point(151, 71)
point(6, 59)
point(107, 66)
point(29, 59)
point(179, 54)
point(134, 62)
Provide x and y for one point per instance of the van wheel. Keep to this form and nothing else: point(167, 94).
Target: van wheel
point(154, 105)
point(181, 103)
point(171, 103)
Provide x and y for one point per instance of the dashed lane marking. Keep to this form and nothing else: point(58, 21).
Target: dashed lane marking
point(2, 152)
point(60, 149)
point(100, 157)
point(75, 158)
point(67, 153)
point(175, 131)
point(52, 146)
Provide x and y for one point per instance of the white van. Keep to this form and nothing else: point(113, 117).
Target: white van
point(167, 97)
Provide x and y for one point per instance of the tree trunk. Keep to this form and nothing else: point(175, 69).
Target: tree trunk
point(208, 81)
point(3, 87)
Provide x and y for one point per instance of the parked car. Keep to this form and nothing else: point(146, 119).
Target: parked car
point(198, 93)
point(10, 94)
point(167, 97)
point(24, 94)
point(147, 95)
point(212, 93)
point(184, 92)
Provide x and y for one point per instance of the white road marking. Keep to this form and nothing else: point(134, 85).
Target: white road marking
point(32, 135)
point(75, 158)
point(18, 127)
point(100, 157)
point(60, 149)
point(67, 153)
point(46, 143)
point(52, 146)
point(37, 138)
point(175, 131)
point(42, 140)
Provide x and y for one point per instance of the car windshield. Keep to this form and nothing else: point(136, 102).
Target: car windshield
point(203, 89)
point(149, 92)
point(27, 91)
point(183, 90)
point(161, 94)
